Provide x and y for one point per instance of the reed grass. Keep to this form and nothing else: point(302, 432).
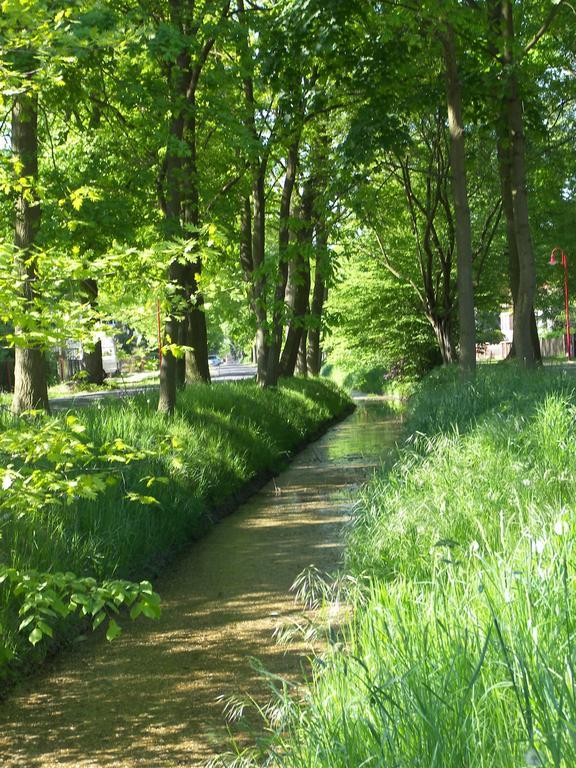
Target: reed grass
point(462, 646)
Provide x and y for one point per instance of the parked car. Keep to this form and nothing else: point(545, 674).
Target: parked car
point(214, 360)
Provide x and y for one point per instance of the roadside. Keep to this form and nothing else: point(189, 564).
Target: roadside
point(66, 395)
point(139, 384)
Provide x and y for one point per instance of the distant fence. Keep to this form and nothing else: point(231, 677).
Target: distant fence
point(551, 347)
point(69, 367)
point(556, 346)
point(487, 352)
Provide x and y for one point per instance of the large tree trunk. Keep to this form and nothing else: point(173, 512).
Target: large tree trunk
point(197, 368)
point(253, 224)
point(181, 361)
point(168, 372)
point(314, 352)
point(247, 263)
point(195, 330)
point(93, 358)
point(181, 204)
point(527, 274)
point(505, 172)
point(299, 284)
point(461, 208)
point(172, 210)
point(302, 361)
point(30, 382)
point(322, 265)
point(282, 278)
point(256, 304)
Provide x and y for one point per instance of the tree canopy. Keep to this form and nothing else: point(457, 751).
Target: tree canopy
point(240, 163)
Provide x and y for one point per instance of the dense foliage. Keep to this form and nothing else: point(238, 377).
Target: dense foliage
point(239, 162)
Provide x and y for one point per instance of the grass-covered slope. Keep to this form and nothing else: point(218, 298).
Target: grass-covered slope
point(462, 650)
point(190, 466)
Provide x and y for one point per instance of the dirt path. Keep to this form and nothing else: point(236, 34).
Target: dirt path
point(153, 697)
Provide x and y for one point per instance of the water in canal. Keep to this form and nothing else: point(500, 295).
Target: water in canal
point(154, 697)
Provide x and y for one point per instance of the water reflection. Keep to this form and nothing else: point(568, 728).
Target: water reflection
point(371, 433)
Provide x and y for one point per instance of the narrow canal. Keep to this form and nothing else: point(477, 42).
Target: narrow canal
point(154, 697)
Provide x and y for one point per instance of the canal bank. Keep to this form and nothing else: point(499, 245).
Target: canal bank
point(155, 697)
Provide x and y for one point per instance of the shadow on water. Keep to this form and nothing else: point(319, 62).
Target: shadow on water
point(155, 696)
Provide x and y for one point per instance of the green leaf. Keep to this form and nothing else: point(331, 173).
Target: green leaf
point(45, 628)
point(136, 610)
point(35, 636)
point(113, 630)
point(98, 620)
point(24, 623)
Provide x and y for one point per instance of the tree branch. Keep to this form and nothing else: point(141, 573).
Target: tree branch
point(552, 13)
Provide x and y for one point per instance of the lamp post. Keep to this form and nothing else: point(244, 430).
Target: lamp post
point(564, 262)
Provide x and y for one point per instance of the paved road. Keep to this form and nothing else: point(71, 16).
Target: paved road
point(224, 372)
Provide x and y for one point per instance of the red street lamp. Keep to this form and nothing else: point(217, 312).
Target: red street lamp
point(564, 262)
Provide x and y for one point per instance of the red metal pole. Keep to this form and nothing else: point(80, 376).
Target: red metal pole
point(159, 332)
point(566, 303)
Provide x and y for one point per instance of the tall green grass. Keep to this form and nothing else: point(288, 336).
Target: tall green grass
point(462, 646)
point(219, 439)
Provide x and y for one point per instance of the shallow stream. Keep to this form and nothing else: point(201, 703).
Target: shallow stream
point(155, 696)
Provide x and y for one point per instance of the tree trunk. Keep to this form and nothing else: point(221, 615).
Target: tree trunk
point(168, 373)
point(505, 172)
point(30, 381)
point(299, 284)
point(461, 208)
point(181, 361)
point(169, 366)
point(247, 263)
point(93, 358)
point(197, 368)
point(319, 295)
point(172, 211)
point(302, 361)
point(253, 237)
point(258, 254)
point(195, 330)
point(443, 331)
point(181, 206)
point(283, 242)
point(526, 274)
point(314, 352)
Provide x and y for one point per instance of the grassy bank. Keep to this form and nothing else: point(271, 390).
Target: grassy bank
point(462, 649)
point(155, 482)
